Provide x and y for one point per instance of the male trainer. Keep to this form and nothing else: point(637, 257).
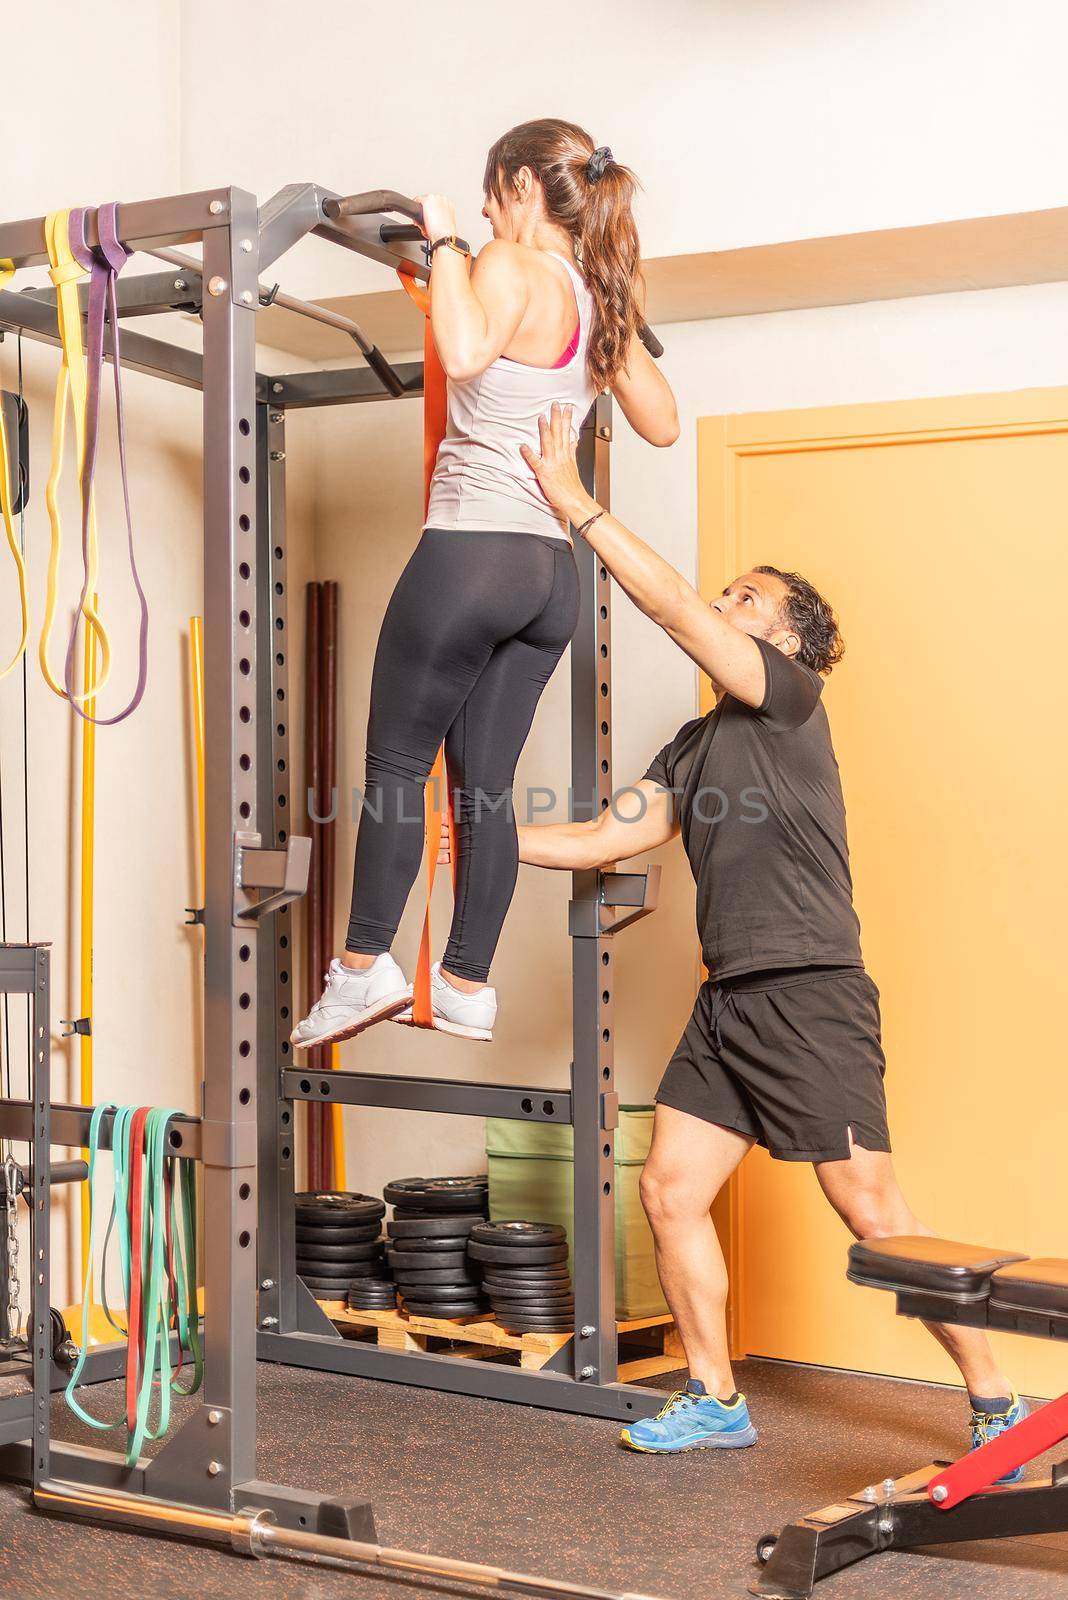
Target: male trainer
point(783, 1046)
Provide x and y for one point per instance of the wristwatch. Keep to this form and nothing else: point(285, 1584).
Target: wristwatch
point(451, 241)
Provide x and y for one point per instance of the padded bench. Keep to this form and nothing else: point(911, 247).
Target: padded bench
point(942, 1280)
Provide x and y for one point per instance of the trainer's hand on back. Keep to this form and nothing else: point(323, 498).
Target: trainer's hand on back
point(439, 216)
point(556, 468)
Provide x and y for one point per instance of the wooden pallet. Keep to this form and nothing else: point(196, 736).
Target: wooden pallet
point(480, 1338)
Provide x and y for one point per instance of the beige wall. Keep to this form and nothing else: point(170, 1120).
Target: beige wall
point(747, 121)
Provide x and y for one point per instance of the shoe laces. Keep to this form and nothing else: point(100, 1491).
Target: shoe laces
point(987, 1425)
point(675, 1402)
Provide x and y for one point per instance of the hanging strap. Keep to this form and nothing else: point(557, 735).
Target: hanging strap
point(66, 273)
point(104, 266)
point(158, 1266)
point(135, 1337)
point(7, 272)
point(437, 803)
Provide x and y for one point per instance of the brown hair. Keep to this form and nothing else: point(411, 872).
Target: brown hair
point(813, 618)
point(590, 194)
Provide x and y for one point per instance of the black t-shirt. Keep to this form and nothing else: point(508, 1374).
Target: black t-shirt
point(759, 800)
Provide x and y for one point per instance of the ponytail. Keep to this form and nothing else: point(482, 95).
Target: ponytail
point(587, 192)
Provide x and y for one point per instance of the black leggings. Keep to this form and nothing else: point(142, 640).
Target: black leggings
point(470, 638)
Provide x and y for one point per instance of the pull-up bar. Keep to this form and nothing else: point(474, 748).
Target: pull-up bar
point(378, 200)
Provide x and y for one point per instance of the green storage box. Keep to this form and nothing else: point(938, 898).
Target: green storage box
point(531, 1177)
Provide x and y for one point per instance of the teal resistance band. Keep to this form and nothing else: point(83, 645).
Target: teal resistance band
point(158, 1308)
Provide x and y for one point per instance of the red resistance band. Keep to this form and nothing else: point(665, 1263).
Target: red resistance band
point(135, 1337)
point(437, 805)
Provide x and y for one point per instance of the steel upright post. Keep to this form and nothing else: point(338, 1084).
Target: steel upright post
point(228, 1441)
point(285, 1305)
point(40, 1202)
point(593, 1097)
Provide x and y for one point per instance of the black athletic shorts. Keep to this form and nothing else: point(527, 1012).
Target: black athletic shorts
point(791, 1059)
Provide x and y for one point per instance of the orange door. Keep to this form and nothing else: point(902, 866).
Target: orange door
point(939, 529)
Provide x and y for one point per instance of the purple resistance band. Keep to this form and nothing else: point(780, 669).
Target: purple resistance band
point(104, 265)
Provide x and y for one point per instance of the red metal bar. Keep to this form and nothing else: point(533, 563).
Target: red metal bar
point(1011, 1449)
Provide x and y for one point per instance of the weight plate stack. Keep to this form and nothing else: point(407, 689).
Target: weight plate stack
point(525, 1274)
point(373, 1294)
point(339, 1241)
point(427, 1249)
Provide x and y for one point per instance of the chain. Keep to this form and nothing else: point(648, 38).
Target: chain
point(11, 1178)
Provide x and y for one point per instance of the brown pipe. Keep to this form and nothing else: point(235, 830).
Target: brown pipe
point(313, 926)
point(328, 830)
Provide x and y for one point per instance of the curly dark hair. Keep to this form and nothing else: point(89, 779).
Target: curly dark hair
point(806, 611)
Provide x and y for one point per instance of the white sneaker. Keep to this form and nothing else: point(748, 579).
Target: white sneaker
point(352, 1000)
point(468, 1016)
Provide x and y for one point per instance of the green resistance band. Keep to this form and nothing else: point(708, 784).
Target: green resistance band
point(158, 1311)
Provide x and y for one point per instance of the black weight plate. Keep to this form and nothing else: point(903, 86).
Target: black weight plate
point(338, 1252)
point(542, 1325)
point(437, 1275)
point(427, 1259)
point(518, 1235)
point(307, 1231)
point(438, 1194)
point(422, 1247)
point(346, 1271)
point(373, 1302)
point(327, 1289)
point(553, 1310)
point(544, 1291)
point(427, 1292)
point(551, 1273)
point(532, 1255)
point(496, 1279)
point(339, 1207)
point(420, 1308)
point(435, 1227)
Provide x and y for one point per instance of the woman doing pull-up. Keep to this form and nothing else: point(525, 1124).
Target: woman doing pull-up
point(489, 599)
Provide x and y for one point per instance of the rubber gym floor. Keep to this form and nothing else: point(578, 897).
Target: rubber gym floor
point(550, 1494)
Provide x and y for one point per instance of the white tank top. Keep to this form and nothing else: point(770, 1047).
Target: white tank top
point(481, 482)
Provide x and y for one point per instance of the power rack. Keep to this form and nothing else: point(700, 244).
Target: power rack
point(256, 868)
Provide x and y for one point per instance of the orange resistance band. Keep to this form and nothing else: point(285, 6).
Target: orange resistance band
point(437, 803)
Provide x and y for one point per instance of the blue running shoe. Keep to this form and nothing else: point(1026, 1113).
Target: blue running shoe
point(987, 1425)
point(692, 1419)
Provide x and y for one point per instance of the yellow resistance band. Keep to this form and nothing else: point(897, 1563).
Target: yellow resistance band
point(71, 382)
point(7, 272)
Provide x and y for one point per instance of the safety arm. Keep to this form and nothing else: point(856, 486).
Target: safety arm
point(639, 819)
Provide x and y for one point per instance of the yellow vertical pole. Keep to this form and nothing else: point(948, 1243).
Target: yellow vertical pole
point(196, 666)
point(337, 1123)
point(90, 662)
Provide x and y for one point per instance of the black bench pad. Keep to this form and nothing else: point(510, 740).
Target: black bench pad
point(961, 1272)
point(1039, 1285)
